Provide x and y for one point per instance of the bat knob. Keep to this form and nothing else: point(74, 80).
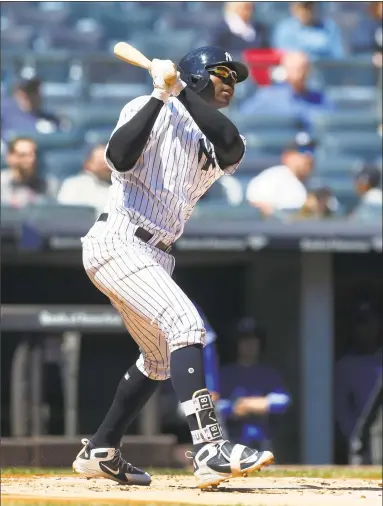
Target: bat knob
point(171, 77)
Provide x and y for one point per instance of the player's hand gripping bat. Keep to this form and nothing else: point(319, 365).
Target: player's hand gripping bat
point(133, 56)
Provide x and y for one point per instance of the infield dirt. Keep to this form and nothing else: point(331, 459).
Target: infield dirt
point(181, 490)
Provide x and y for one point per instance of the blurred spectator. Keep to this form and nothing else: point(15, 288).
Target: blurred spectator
point(20, 182)
point(320, 203)
point(251, 391)
point(367, 36)
point(368, 185)
point(305, 31)
point(293, 97)
point(22, 113)
point(358, 373)
point(237, 30)
point(91, 187)
point(377, 12)
point(282, 186)
point(227, 188)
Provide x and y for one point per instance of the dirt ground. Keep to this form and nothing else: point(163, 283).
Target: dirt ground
point(181, 490)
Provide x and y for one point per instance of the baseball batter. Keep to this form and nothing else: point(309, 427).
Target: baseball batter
point(167, 149)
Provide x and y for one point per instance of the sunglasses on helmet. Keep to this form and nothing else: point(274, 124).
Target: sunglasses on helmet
point(223, 72)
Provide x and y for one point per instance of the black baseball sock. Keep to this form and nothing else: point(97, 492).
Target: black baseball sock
point(188, 378)
point(132, 394)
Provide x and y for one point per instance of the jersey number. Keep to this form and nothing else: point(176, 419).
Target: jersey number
point(206, 148)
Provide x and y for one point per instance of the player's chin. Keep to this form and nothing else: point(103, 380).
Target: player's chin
point(225, 98)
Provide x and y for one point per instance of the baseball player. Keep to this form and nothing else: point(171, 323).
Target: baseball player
point(167, 149)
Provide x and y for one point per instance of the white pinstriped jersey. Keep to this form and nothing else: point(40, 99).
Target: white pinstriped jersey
point(177, 166)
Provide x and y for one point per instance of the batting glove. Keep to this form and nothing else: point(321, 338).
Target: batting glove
point(158, 71)
point(179, 86)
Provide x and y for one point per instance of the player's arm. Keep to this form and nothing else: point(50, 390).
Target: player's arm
point(219, 130)
point(128, 142)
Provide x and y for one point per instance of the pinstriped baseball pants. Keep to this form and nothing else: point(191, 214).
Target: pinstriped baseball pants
point(136, 277)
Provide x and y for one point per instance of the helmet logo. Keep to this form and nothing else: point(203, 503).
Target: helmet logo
point(228, 57)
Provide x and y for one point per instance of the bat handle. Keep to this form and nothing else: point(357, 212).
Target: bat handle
point(171, 78)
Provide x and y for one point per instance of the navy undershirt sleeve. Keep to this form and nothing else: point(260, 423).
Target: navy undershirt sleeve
point(217, 128)
point(128, 142)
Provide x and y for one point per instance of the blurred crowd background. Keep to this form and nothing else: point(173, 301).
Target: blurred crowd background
point(315, 69)
point(311, 113)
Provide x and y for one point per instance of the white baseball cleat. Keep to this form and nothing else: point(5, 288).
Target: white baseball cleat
point(108, 463)
point(216, 463)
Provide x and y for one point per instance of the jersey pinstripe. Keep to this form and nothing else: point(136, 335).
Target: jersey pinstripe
point(177, 166)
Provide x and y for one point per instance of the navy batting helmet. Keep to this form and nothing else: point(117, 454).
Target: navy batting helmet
point(195, 65)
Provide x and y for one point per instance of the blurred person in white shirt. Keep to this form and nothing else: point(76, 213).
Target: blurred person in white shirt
point(91, 186)
point(282, 187)
point(368, 184)
point(22, 183)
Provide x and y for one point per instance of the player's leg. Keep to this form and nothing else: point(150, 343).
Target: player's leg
point(153, 296)
point(135, 387)
point(215, 460)
point(146, 289)
point(101, 454)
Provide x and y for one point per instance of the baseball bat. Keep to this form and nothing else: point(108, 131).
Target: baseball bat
point(131, 55)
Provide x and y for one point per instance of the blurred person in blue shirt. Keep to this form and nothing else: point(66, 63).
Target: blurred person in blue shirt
point(22, 113)
point(238, 31)
point(251, 391)
point(367, 35)
point(293, 97)
point(305, 31)
point(358, 371)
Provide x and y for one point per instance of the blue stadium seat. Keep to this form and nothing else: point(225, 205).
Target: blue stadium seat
point(213, 210)
point(347, 72)
point(53, 66)
point(367, 213)
point(56, 140)
point(63, 92)
point(62, 163)
point(157, 46)
point(11, 218)
point(345, 121)
point(267, 143)
point(361, 144)
point(352, 98)
point(325, 164)
point(262, 123)
point(90, 116)
point(42, 14)
point(114, 71)
point(254, 162)
point(17, 36)
point(54, 219)
point(85, 35)
point(117, 93)
point(271, 13)
point(98, 136)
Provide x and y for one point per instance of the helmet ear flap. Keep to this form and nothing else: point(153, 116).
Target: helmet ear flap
point(197, 82)
point(207, 93)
